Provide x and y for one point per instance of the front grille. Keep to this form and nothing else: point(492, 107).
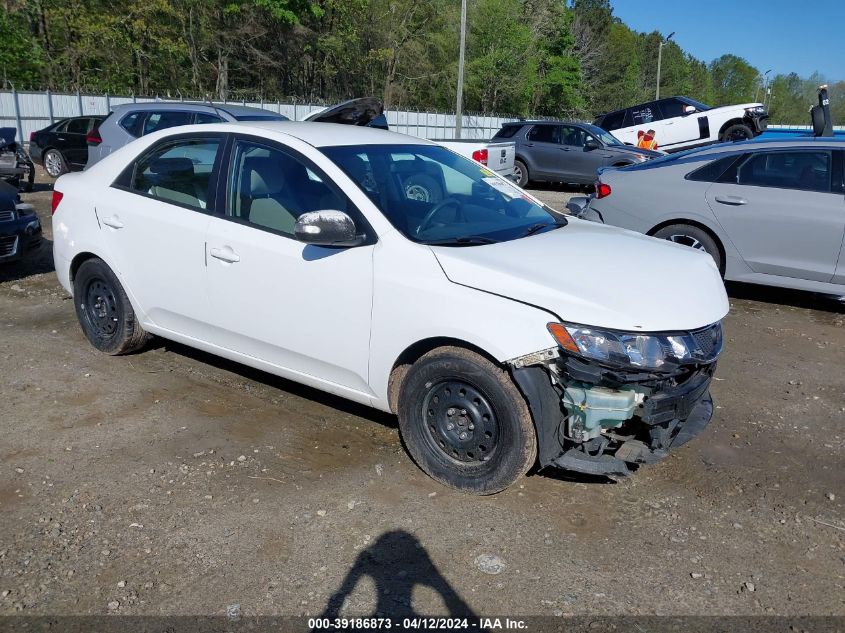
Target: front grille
point(8, 245)
point(7, 216)
point(708, 341)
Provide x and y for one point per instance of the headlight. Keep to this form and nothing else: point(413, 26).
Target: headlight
point(646, 351)
point(756, 111)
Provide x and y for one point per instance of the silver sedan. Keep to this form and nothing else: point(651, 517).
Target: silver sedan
point(768, 211)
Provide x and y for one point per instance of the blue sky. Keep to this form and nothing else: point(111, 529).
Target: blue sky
point(799, 36)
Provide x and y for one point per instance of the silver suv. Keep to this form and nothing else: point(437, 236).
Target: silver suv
point(133, 120)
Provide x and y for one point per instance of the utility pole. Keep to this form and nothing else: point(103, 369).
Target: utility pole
point(459, 106)
point(659, 60)
point(765, 78)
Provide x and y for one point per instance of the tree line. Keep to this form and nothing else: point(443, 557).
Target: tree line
point(570, 59)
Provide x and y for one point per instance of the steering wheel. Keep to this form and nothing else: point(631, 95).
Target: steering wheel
point(429, 217)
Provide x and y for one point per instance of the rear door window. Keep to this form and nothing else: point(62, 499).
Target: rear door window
point(645, 114)
point(806, 171)
point(507, 131)
point(204, 117)
point(77, 126)
point(178, 172)
point(544, 134)
point(164, 119)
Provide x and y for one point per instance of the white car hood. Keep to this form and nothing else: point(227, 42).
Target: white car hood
point(741, 106)
point(592, 274)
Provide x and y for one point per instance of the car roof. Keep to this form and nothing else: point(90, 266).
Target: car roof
point(773, 143)
point(233, 109)
point(321, 134)
point(541, 121)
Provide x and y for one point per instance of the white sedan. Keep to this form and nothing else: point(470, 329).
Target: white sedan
point(502, 333)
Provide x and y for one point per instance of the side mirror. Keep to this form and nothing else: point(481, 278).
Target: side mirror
point(591, 145)
point(327, 228)
point(688, 109)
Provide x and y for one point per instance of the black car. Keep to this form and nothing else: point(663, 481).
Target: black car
point(20, 229)
point(16, 168)
point(565, 151)
point(61, 147)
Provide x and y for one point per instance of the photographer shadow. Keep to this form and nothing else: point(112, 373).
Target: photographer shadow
point(397, 562)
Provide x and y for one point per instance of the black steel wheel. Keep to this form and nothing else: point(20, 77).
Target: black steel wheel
point(464, 421)
point(104, 310)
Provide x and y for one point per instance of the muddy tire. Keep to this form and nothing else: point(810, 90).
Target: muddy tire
point(520, 171)
point(104, 311)
point(465, 423)
point(694, 237)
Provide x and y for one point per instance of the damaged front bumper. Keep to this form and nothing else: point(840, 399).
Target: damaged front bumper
point(596, 419)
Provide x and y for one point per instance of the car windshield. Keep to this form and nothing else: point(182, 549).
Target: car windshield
point(434, 196)
point(696, 104)
point(605, 137)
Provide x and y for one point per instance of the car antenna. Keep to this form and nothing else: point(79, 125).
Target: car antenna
point(214, 107)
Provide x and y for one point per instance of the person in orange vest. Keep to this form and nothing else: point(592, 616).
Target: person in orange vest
point(646, 141)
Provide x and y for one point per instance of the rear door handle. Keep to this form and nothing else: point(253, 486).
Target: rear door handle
point(225, 254)
point(114, 222)
point(734, 201)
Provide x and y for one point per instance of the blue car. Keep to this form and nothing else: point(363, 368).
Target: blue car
point(20, 229)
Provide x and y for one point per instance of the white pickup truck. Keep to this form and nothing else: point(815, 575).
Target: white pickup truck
point(497, 156)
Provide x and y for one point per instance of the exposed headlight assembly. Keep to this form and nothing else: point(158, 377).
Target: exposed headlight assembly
point(645, 351)
point(756, 110)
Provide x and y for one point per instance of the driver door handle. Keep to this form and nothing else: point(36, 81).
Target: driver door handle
point(225, 254)
point(113, 221)
point(734, 201)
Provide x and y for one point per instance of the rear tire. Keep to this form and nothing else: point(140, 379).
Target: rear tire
point(465, 423)
point(104, 310)
point(54, 163)
point(694, 237)
point(520, 171)
point(738, 132)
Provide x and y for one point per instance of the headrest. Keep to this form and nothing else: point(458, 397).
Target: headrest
point(266, 176)
point(172, 167)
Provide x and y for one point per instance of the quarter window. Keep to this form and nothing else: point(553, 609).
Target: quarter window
point(203, 117)
point(544, 134)
point(807, 171)
point(270, 189)
point(178, 172)
point(130, 122)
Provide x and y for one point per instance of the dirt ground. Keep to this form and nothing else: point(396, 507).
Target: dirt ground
point(172, 482)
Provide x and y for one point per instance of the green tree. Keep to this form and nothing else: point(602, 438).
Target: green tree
point(734, 80)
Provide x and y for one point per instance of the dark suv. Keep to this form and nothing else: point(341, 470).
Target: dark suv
point(61, 147)
point(563, 151)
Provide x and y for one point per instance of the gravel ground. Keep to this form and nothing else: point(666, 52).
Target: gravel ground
point(172, 482)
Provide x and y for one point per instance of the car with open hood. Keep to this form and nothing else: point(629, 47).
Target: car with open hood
point(503, 334)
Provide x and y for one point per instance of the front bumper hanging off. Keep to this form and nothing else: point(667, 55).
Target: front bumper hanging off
point(666, 411)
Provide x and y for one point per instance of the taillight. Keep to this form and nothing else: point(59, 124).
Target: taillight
point(57, 198)
point(31, 136)
point(602, 189)
point(93, 137)
point(480, 155)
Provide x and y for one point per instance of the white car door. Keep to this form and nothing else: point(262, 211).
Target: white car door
point(302, 308)
point(154, 219)
point(678, 127)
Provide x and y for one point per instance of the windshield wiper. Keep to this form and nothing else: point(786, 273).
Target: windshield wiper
point(534, 228)
point(470, 240)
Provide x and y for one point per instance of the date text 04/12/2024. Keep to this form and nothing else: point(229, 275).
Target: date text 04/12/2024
point(416, 623)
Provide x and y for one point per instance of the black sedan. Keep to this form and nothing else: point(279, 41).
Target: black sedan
point(20, 229)
point(61, 147)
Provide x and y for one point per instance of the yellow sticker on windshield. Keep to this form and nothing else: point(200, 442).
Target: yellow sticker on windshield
point(487, 172)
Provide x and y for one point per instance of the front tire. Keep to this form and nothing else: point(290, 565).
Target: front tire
point(104, 310)
point(54, 163)
point(520, 172)
point(465, 423)
point(694, 237)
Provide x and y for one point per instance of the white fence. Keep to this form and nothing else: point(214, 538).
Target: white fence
point(31, 111)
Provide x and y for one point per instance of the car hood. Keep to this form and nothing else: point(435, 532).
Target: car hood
point(740, 106)
point(592, 274)
point(630, 149)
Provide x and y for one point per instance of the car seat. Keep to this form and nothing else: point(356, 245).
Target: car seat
point(269, 203)
point(174, 179)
